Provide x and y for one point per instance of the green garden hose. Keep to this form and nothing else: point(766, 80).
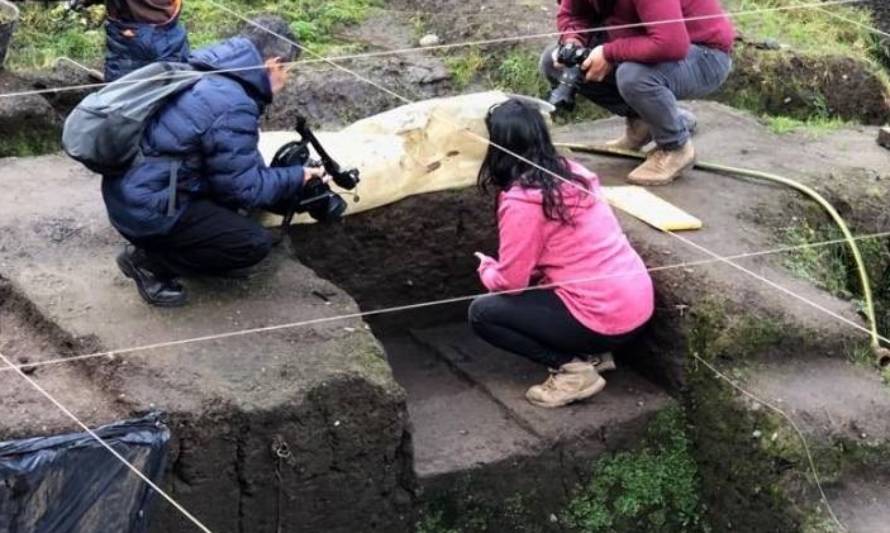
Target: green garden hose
point(882, 355)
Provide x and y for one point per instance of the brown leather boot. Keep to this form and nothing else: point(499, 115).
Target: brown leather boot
point(663, 166)
point(636, 136)
point(573, 381)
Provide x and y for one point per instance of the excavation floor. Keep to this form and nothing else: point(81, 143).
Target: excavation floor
point(467, 405)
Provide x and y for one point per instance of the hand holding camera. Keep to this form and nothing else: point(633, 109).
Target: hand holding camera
point(316, 196)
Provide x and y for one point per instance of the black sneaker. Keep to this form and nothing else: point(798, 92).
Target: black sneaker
point(156, 290)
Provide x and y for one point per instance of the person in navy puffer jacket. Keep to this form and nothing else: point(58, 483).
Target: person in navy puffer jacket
point(140, 32)
point(206, 136)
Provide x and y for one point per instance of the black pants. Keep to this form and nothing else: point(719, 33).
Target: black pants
point(537, 325)
point(207, 240)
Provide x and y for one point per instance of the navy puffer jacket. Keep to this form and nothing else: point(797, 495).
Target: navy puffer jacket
point(213, 128)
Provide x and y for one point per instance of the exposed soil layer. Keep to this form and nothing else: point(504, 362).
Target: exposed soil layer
point(796, 85)
point(267, 429)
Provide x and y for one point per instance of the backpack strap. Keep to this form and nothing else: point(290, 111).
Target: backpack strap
point(171, 188)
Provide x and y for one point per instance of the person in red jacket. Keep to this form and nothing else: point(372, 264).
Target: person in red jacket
point(656, 53)
point(568, 285)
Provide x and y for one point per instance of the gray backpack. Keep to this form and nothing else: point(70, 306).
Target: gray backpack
point(105, 130)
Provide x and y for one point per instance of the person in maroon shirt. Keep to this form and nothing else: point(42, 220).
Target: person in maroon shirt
point(651, 54)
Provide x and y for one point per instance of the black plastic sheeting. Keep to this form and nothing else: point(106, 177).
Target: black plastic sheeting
point(72, 484)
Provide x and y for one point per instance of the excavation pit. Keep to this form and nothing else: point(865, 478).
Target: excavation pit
point(384, 416)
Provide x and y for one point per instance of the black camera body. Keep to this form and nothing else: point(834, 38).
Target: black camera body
point(571, 56)
point(316, 197)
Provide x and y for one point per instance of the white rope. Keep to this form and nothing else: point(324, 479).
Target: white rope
point(783, 414)
point(421, 49)
point(536, 36)
point(872, 29)
point(572, 184)
point(111, 354)
point(102, 442)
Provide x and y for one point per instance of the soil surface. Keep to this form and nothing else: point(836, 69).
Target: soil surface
point(322, 392)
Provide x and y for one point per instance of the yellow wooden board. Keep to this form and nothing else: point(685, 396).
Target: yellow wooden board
point(658, 213)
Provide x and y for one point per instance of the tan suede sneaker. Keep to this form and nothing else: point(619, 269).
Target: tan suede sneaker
point(663, 166)
point(604, 362)
point(572, 382)
point(636, 136)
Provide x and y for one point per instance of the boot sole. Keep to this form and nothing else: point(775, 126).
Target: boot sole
point(593, 390)
point(128, 270)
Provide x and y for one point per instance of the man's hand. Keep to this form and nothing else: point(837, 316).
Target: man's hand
point(595, 67)
point(555, 54)
point(311, 173)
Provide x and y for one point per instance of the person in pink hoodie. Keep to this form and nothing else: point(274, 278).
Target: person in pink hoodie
point(566, 285)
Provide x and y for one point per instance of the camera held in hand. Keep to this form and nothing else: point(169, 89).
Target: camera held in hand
point(571, 56)
point(316, 197)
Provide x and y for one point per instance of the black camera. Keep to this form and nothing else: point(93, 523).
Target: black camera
point(316, 197)
point(571, 56)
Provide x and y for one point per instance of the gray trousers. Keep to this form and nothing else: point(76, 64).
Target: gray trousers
point(651, 92)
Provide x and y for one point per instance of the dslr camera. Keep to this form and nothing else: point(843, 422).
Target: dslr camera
point(571, 56)
point(316, 197)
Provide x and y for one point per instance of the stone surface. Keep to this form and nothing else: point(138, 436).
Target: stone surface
point(324, 390)
point(24, 120)
point(884, 137)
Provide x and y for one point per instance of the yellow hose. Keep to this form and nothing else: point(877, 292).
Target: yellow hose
point(882, 355)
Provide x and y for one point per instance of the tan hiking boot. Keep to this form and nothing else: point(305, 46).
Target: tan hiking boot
point(663, 166)
point(636, 136)
point(572, 382)
point(604, 362)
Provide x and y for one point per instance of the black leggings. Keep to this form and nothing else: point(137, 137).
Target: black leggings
point(537, 325)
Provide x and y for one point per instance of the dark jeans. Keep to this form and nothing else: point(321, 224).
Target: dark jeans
point(651, 91)
point(207, 240)
point(537, 325)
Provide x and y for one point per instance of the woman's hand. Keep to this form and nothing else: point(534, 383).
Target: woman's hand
point(595, 67)
point(481, 257)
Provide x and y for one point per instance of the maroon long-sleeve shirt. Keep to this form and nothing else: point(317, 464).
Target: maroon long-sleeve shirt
point(654, 43)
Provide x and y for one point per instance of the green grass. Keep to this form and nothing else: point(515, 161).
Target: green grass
point(46, 34)
point(655, 488)
point(465, 67)
point(807, 30)
point(818, 125)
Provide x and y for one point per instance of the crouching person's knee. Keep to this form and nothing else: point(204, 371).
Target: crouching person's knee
point(256, 248)
point(634, 81)
point(480, 311)
point(546, 66)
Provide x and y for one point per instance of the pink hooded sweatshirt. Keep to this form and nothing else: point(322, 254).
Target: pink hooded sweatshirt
point(602, 280)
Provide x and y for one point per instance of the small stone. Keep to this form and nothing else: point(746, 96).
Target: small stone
point(884, 137)
point(349, 330)
point(757, 434)
point(430, 39)
point(336, 423)
point(775, 436)
point(553, 518)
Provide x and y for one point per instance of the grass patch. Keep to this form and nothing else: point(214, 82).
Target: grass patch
point(29, 143)
point(465, 68)
point(518, 73)
point(818, 125)
point(46, 34)
point(834, 269)
point(807, 30)
point(655, 488)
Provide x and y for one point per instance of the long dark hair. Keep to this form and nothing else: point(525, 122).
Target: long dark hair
point(520, 129)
